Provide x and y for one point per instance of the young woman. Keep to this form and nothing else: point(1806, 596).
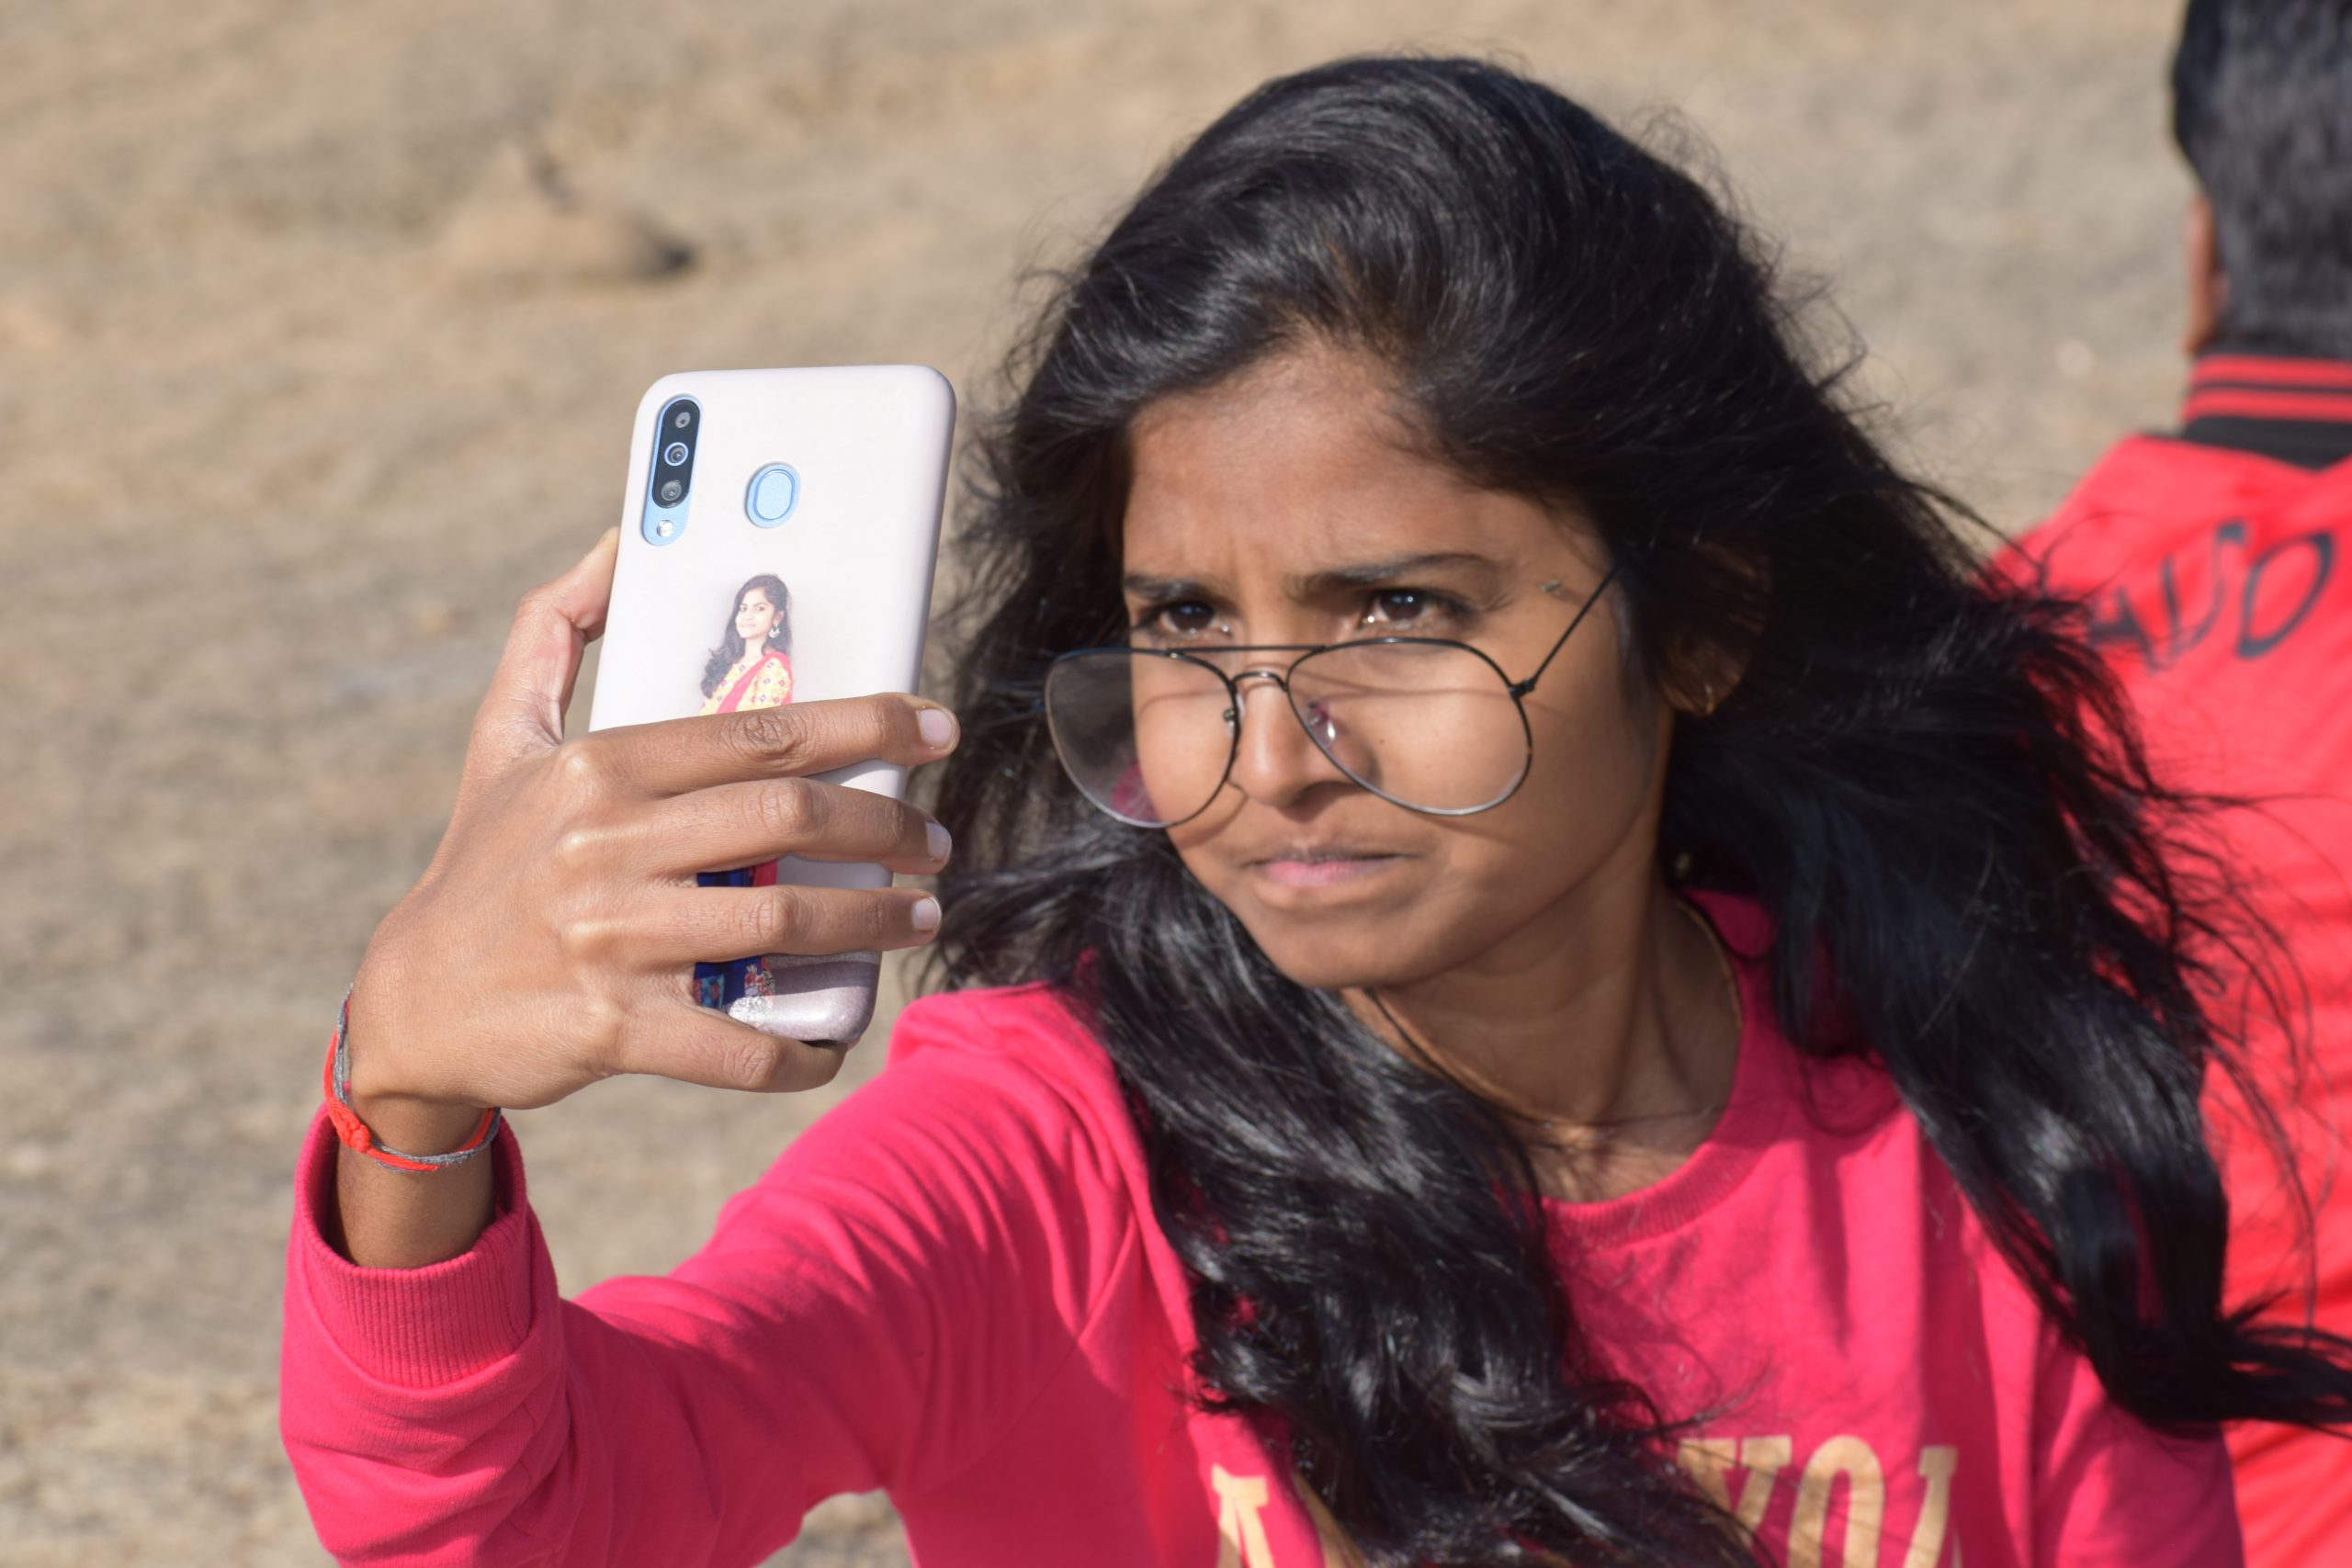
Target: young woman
point(1571, 983)
point(752, 666)
point(751, 669)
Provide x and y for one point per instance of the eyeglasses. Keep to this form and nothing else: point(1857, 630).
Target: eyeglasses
point(1149, 735)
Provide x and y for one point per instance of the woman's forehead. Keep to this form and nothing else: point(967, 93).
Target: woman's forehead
point(1304, 468)
point(1304, 434)
point(1315, 529)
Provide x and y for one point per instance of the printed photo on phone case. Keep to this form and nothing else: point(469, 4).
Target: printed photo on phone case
point(750, 668)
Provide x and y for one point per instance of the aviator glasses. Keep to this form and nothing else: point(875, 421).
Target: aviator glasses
point(1149, 735)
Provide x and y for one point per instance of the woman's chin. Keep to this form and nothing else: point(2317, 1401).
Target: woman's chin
point(1337, 943)
point(1314, 960)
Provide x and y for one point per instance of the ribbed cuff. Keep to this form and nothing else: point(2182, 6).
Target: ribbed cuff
point(420, 1327)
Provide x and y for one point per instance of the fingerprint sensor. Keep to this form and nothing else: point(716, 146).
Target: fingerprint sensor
point(775, 490)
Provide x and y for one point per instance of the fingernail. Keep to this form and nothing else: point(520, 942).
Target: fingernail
point(937, 726)
point(926, 914)
point(937, 841)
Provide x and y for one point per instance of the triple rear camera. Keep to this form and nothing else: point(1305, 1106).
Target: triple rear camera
point(674, 459)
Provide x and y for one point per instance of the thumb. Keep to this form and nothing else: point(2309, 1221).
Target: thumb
point(522, 715)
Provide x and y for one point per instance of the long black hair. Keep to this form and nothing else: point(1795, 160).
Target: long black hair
point(1924, 777)
point(731, 641)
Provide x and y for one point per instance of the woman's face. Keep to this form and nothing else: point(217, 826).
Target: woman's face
point(754, 617)
point(1289, 507)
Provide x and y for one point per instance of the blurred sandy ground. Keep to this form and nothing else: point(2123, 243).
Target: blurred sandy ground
point(305, 375)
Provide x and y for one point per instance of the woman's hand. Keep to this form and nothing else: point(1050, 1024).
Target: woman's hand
point(551, 941)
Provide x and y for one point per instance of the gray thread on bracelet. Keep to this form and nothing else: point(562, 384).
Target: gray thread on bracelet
point(342, 1097)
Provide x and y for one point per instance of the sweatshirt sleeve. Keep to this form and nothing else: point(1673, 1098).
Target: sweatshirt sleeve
point(2114, 1493)
point(871, 1314)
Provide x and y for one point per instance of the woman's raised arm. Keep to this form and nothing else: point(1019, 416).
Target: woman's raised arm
point(439, 1399)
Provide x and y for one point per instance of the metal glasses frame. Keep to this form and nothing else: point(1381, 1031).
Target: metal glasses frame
point(1281, 680)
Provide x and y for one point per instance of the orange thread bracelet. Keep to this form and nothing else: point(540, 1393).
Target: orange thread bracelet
point(354, 1134)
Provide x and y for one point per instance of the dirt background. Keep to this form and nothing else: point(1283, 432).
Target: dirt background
point(321, 326)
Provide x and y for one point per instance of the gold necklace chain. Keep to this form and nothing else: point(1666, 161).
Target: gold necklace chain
point(1739, 1032)
point(1723, 965)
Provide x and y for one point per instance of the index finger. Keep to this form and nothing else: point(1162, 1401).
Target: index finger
point(678, 755)
point(521, 714)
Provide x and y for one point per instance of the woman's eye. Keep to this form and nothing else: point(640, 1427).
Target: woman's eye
point(1400, 606)
point(1189, 618)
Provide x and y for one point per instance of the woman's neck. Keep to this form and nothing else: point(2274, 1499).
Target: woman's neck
point(1609, 1037)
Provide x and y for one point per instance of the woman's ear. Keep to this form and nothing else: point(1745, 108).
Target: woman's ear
point(2208, 287)
point(1701, 676)
point(1703, 673)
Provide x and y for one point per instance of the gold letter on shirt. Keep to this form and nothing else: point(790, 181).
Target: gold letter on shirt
point(1937, 1463)
point(1709, 1463)
point(1865, 1504)
point(1241, 1534)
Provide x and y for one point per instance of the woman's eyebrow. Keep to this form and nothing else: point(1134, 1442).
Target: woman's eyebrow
point(1330, 579)
point(1392, 568)
point(1167, 590)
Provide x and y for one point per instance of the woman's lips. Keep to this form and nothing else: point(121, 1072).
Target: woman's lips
point(1323, 869)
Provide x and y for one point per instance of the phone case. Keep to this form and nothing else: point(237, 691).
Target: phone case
point(822, 486)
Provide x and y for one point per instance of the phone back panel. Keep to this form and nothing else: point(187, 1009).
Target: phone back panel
point(866, 449)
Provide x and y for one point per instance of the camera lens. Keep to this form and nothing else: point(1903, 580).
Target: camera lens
point(683, 417)
point(674, 454)
point(670, 491)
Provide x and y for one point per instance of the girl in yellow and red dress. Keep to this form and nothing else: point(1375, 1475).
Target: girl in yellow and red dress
point(751, 668)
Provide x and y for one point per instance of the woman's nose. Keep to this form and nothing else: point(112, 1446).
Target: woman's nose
point(1273, 761)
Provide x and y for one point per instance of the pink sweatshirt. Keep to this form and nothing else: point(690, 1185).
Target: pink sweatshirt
point(952, 1286)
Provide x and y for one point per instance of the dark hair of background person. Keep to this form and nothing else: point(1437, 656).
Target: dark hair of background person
point(730, 642)
point(1925, 779)
point(2262, 108)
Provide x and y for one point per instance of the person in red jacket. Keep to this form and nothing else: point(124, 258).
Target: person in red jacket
point(2216, 563)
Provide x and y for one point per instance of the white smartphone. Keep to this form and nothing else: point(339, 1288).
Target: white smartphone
point(777, 542)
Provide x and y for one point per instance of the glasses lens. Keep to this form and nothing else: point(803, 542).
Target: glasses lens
point(1430, 725)
point(1148, 737)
